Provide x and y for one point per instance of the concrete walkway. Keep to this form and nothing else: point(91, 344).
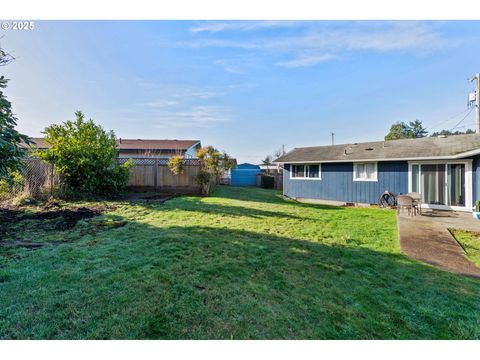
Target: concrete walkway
point(426, 238)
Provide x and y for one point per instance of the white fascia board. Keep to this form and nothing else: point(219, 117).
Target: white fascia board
point(451, 157)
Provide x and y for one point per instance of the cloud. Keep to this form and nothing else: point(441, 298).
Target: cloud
point(196, 116)
point(305, 60)
point(220, 43)
point(159, 104)
point(324, 40)
point(244, 85)
point(217, 26)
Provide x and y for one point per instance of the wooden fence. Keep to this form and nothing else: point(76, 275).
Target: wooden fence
point(154, 174)
point(278, 179)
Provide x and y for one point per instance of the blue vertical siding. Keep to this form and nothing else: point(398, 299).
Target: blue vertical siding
point(476, 179)
point(337, 183)
point(245, 175)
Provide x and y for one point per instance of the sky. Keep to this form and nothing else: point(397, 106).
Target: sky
point(245, 87)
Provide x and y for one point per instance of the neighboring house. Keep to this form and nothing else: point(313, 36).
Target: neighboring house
point(271, 168)
point(444, 170)
point(135, 148)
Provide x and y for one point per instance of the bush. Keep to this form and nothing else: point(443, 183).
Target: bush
point(10, 188)
point(87, 157)
point(213, 164)
point(267, 182)
point(175, 164)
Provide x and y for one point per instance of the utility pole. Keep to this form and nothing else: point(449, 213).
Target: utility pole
point(477, 102)
point(333, 138)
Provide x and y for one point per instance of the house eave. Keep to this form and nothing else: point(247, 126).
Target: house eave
point(420, 158)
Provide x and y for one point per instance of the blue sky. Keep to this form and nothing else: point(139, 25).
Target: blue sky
point(246, 87)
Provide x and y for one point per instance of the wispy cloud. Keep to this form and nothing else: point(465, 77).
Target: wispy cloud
point(196, 116)
point(217, 26)
point(322, 42)
point(220, 43)
point(158, 104)
point(171, 94)
point(178, 107)
point(305, 60)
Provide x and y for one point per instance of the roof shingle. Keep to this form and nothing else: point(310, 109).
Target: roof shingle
point(138, 144)
point(406, 149)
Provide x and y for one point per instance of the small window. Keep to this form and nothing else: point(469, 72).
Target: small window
point(305, 171)
point(365, 172)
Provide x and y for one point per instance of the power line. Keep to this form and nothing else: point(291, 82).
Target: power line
point(462, 119)
point(447, 120)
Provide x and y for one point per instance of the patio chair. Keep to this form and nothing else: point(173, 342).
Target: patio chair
point(405, 202)
point(417, 201)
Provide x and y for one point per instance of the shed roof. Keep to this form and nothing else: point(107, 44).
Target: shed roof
point(247, 166)
point(449, 147)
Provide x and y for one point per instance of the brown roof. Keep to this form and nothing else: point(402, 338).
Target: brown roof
point(137, 144)
point(422, 148)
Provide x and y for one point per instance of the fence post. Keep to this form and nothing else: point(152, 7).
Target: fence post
point(51, 180)
point(155, 171)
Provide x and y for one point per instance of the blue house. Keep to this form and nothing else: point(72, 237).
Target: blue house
point(445, 170)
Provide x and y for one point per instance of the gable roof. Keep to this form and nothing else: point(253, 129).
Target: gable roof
point(449, 147)
point(137, 144)
point(141, 144)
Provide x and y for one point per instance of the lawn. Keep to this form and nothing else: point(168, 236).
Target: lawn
point(470, 241)
point(242, 264)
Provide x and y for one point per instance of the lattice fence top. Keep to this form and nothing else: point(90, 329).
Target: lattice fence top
point(153, 161)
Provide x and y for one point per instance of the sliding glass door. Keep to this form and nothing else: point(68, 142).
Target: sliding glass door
point(456, 184)
point(433, 184)
point(442, 184)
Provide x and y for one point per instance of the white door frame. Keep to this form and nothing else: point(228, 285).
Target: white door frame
point(468, 182)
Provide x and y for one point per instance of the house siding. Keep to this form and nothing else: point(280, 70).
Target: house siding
point(337, 183)
point(475, 179)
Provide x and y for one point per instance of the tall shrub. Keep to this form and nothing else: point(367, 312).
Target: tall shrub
point(213, 164)
point(86, 155)
point(175, 164)
point(12, 143)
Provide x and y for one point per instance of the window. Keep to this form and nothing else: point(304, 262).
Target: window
point(305, 172)
point(415, 178)
point(365, 172)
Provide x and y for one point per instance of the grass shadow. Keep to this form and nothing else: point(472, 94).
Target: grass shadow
point(197, 282)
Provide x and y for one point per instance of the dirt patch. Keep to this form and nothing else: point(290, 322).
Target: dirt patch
point(50, 217)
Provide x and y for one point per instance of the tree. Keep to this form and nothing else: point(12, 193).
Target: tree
point(86, 155)
point(268, 160)
point(213, 164)
point(12, 143)
point(449, 132)
point(402, 130)
point(417, 129)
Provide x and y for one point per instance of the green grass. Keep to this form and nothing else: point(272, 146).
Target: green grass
point(470, 241)
point(242, 264)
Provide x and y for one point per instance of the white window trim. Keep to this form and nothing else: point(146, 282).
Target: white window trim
point(468, 183)
point(366, 162)
point(306, 178)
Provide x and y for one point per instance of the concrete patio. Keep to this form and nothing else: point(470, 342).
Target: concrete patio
point(426, 238)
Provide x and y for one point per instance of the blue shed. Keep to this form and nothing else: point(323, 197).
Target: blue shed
point(245, 175)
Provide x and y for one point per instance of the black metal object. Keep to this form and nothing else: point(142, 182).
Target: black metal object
point(387, 200)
